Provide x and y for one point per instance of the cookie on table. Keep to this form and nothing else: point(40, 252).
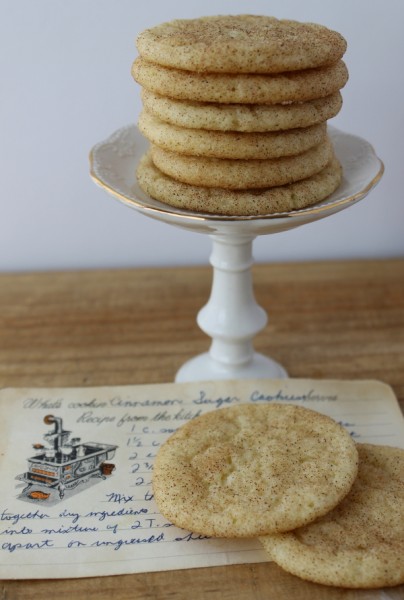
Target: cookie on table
point(249, 470)
point(219, 201)
point(240, 44)
point(359, 544)
point(242, 174)
point(241, 117)
point(230, 144)
point(294, 86)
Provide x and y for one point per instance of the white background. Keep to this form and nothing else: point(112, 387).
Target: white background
point(66, 84)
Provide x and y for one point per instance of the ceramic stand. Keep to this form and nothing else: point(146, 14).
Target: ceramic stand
point(231, 317)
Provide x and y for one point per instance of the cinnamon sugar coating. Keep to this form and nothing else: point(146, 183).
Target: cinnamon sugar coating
point(249, 469)
point(240, 44)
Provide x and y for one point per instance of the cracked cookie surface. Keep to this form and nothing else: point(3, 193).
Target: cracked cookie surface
point(252, 469)
point(360, 543)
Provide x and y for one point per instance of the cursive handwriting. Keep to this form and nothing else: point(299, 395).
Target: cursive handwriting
point(44, 403)
point(17, 517)
point(281, 396)
point(101, 515)
point(10, 547)
point(117, 544)
point(203, 398)
point(118, 401)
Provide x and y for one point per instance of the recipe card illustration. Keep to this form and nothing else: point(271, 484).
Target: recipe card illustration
point(64, 463)
point(65, 511)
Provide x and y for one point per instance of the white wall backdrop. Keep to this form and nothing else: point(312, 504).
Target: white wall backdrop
point(65, 84)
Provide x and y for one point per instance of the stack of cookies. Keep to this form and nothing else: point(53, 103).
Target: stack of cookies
point(325, 509)
point(236, 110)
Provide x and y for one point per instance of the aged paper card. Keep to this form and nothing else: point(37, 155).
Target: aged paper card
point(76, 465)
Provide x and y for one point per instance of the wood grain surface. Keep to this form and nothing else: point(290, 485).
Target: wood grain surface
point(327, 320)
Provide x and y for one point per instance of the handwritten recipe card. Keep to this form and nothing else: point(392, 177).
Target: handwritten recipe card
point(76, 466)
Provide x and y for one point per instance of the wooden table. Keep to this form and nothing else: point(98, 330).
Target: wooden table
point(327, 320)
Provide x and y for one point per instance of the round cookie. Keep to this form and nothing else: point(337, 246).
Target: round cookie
point(241, 174)
point(296, 86)
point(229, 144)
point(359, 544)
point(250, 469)
point(240, 44)
point(238, 202)
point(241, 117)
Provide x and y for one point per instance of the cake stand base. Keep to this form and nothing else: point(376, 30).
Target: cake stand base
point(203, 368)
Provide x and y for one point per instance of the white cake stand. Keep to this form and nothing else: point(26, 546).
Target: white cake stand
point(231, 317)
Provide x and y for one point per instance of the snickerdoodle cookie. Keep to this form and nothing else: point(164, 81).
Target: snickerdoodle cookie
point(219, 201)
point(360, 543)
point(249, 470)
point(240, 44)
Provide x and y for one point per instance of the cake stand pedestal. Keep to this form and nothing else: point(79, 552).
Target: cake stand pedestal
point(231, 317)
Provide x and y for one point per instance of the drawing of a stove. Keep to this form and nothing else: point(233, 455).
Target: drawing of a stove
point(63, 464)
